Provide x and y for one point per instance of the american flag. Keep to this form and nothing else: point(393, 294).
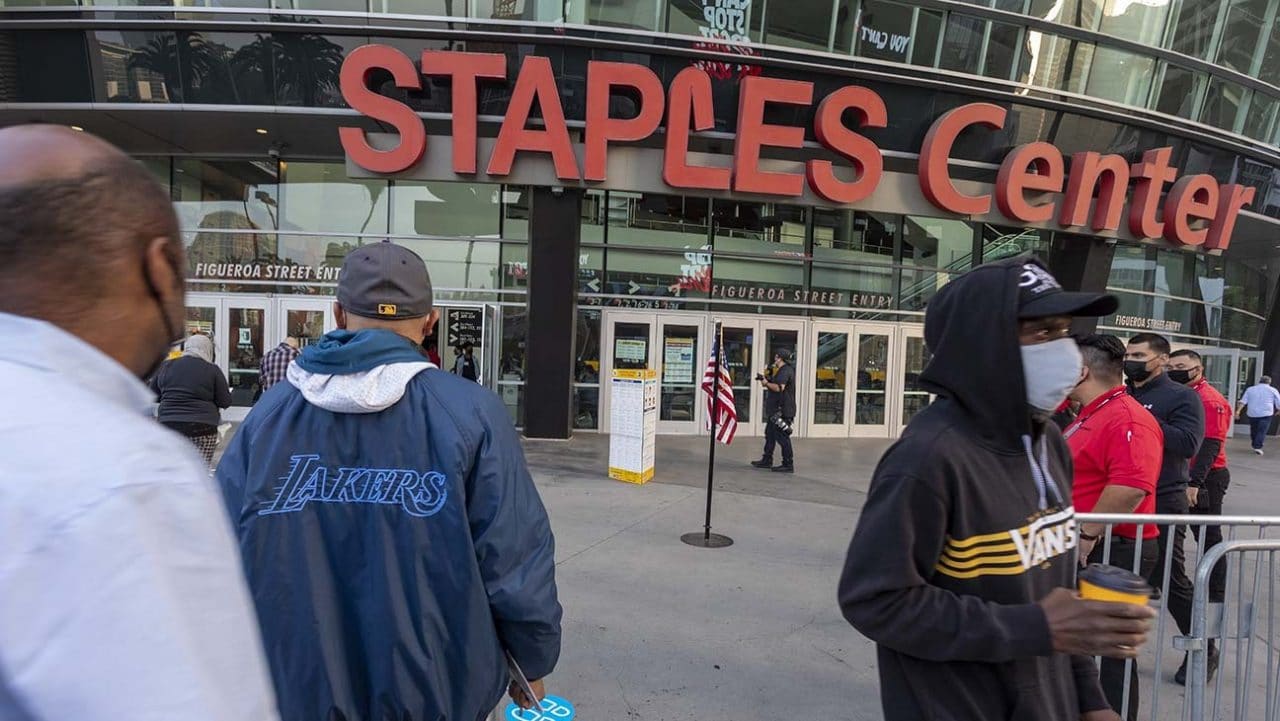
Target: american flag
point(727, 422)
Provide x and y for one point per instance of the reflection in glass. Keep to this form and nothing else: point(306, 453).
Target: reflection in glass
point(883, 31)
point(245, 330)
point(586, 407)
point(226, 202)
point(459, 264)
point(928, 33)
point(1270, 68)
point(1178, 91)
point(737, 349)
point(1121, 76)
point(305, 325)
point(137, 67)
point(1003, 242)
point(1080, 13)
point(658, 221)
point(680, 373)
point(450, 8)
point(1193, 30)
point(1055, 62)
point(962, 44)
point(449, 209)
point(631, 346)
point(830, 368)
point(914, 397)
point(201, 320)
point(219, 68)
point(320, 197)
point(305, 66)
point(1245, 20)
point(1222, 103)
point(737, 21)
point(637, 14)
point(1141, 22)
point(1261, 117)
point(873, 371)
point(798, 23)
point(778, 340)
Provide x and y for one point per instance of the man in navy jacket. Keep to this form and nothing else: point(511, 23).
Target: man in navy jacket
point(393, 539)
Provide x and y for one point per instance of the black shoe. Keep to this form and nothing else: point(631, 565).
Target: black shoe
point(1181, 676)
point(784, 468)
point(1155, 594)
point(763, 463)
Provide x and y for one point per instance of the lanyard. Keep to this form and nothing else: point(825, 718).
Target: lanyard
point(1071, 429)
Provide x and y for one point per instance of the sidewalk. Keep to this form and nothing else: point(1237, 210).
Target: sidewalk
point(658, 630)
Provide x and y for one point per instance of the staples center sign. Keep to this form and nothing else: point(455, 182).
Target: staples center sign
point(1031, 186)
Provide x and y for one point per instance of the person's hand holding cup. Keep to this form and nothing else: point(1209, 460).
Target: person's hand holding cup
point(1108, 617)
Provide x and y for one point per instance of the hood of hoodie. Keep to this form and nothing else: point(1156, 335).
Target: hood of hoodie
point(971, 328)
point(357, 372)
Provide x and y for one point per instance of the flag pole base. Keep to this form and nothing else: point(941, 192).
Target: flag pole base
point(704, 540)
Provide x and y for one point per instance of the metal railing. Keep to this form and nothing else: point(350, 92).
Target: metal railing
point(1248, 591)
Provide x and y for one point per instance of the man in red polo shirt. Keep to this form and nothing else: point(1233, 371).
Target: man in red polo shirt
point(1209, 474)
point(1116, 446)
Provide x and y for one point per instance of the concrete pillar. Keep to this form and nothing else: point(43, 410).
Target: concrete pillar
point(1081, 263)
point(554, 218)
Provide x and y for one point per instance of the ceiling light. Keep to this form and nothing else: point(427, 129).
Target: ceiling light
point(77, 128)
point(261, 131)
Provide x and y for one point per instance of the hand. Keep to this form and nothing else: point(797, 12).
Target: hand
point(519, 697)
point(1095, 628)
point(1086, 548)
point(1193, 495)
point(1105, 714)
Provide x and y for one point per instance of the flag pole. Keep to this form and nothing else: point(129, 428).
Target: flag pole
point(707, 539)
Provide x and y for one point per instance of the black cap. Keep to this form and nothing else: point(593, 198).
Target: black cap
point(784, 354)
point(1040, 295)
point(384, 280)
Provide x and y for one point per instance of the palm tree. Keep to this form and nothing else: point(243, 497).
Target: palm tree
point(305, 66)
point(160, 57)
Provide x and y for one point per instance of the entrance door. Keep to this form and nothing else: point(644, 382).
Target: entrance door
point(849, 369)
point(1231, 371)
point(749, 344)
point(245, 341)
point(628, 345)
point(464, 325)
point(682, 355)
point(910, 362)
point(303, 318)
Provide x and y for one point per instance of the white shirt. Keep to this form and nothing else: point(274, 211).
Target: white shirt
point(122, 595)
point(1262, 400)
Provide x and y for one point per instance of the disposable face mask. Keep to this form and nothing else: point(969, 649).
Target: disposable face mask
point(1136, 370)
point(1177, 376)
point(1051, 370)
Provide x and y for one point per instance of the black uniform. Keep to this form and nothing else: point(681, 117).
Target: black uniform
point(1181, 417)
point(782, 404)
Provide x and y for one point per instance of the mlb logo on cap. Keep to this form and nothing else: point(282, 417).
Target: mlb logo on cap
point(553, 708)
point(386, 309)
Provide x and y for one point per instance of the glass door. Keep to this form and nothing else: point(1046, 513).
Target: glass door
point(245, 340)
point(870, 379)
point(739, 340)
point(829, 368)
point(628, 345)
point(463, 326)
point(911, 360)
point(306, 319)
point(682, 358)
point(777, 335)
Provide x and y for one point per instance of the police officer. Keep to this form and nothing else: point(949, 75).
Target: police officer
point(779, 381)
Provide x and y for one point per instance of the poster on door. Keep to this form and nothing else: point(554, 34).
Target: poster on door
point(631, 350)
point(677, 361)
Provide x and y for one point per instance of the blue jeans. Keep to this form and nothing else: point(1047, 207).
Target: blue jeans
point(1258, 428)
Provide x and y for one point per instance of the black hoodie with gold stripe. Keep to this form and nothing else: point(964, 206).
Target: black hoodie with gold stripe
point(967, 524)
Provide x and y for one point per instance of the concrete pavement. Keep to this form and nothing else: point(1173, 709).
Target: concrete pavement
point(658, 630)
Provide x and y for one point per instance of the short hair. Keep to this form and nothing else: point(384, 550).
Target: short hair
point(56, 235)
point(1103, 356)
point(1187, 353)
point(1265, 379)
point(1158, 343)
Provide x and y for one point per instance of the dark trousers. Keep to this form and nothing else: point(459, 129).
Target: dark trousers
point(1210, 504)
point(771, 436)
point(1258, 428)
point(1178, 589)
point(1111, 672)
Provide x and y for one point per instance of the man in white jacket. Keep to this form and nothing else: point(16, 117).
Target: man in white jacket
point(122, 595)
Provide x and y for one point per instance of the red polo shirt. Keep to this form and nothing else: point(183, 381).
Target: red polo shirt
point(1115, 440)
point(1217, 418)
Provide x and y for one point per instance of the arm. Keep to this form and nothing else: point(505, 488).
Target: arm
point(1088, 688)
point(139, 597)
point(885, 590)
point(1204, 460)
point(1184, 430)
point(514, 545)
point(221, 391)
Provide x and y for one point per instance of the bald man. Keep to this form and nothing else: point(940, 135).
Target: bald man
point(121, 591)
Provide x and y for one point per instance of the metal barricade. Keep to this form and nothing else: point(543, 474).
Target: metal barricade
point(1249, 591)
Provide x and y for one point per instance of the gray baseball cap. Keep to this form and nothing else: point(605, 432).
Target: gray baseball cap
point(384, 280)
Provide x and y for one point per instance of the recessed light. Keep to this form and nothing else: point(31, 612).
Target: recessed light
point(261, 131)
point(77, 128)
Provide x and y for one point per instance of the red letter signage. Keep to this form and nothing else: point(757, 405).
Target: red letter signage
point(754, 133)
point(1230, 201)
point(1015, 179)
point(866, 158)
point(1110, 175)
point(601, 78)
point(1194, 197)
point(935, 178)
point(353, 81)
point(690, 96)
point(536, 82)
point(465, 69)
point(1152, 174)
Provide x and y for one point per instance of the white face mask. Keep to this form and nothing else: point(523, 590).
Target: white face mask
point(1051, 370)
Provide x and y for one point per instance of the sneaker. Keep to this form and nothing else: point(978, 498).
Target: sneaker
point(1258, 451)
point(784, 468)
point(763, 463)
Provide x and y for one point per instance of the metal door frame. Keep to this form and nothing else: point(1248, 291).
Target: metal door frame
point(895, 408)
point(286, 303)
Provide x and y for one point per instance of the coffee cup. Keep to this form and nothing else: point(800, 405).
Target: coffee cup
point(1099, 582)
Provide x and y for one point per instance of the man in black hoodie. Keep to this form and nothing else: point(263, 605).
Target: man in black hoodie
point(1181, 417)
point(960, 566)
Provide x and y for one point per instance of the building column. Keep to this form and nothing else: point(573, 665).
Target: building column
point(550, 342)
point(1082, 263)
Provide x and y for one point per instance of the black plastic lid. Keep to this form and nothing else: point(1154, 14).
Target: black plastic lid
point(1115, 578)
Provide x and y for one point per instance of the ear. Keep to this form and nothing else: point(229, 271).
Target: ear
point(429, 322)
point(339, 316)
point(160, 265)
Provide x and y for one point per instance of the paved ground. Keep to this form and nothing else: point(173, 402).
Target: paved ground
point(658, 630)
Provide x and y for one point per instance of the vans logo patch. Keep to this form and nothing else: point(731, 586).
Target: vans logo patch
point(419, 494)
point(1012, 552)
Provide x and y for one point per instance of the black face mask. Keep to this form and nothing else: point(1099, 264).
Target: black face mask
point(174, 335)
point(1179, 376)
point(1136, 370)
